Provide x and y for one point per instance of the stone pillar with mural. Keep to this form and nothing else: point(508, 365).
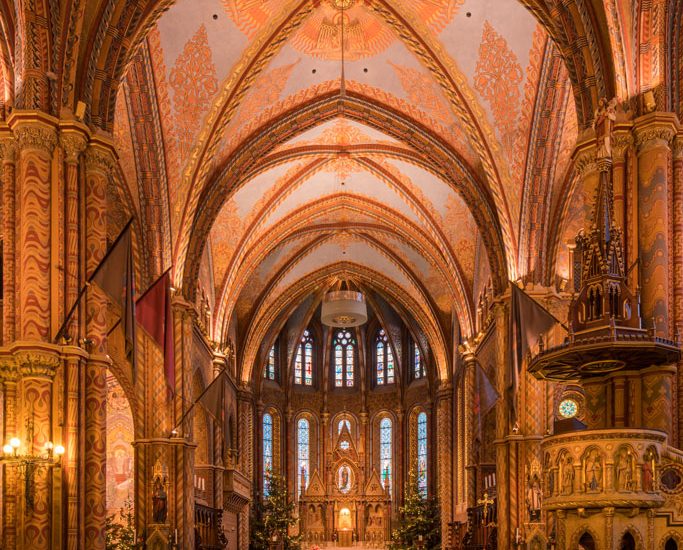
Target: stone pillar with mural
point(601, 476)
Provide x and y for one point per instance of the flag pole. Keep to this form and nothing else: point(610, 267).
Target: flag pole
point(541, 306)
point(89, 281)
point(137, 300)
point(221, 374)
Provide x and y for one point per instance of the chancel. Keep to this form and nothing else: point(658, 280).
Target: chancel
point(307, 274)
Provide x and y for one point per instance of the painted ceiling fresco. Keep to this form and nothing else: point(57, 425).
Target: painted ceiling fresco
point(269, 157)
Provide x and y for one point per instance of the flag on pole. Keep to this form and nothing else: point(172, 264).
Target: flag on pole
point(528, 321)
point(114, 275)
point(153, 313)
point(486, 392)
point(213, 400)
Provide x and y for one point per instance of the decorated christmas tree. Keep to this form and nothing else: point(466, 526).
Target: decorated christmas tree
point(273, 516)
point(119, 529)
point(419, 524)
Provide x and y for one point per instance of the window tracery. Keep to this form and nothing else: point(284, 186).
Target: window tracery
point(267, 450)
point(271, 368)
point(386, 451)
point(303, 363)
point(418, 366)
point(422, 453)
point(384, 359)
point(344, 352)
point(303, 453)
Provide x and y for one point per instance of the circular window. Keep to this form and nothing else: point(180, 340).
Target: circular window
point(568, 408)
point(344, 445)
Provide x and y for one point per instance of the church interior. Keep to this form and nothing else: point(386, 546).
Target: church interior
point(304, 274)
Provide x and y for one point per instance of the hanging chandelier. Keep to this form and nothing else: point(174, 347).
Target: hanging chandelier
point(344, 309)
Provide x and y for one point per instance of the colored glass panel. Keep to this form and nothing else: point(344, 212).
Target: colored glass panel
point(303, 455)
point(385, 452)
point(267, 449)
point(344, 422)
point(422, 453)
point(417, 362)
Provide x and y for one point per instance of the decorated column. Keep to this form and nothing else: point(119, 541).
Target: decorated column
point(444, 441)
point(99, 164)
point(654, 133)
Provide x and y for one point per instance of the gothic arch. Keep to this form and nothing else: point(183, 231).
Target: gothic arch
point(442, 161)
point(580, 532)
point(299, 223)
point(637, 537)
point(273, 316)
point(120, 466)
point(674, 535)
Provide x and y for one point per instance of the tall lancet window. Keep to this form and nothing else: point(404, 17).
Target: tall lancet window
point(267, 450)
point(303, 363)
point(422, 453)
point(343, 348)
point(270, 370)
point(384, 358)
point(418, 366)
point(385, 451)
point(303, 454)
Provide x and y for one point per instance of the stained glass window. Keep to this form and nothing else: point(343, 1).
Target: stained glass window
point(303, 455)
point(344, 422)
point(267, 449)
point(344, 353)
point(422, 453)
point(385, 452)
point(271, 364)
point(418, 369)
point(303, 363)
point(384, 359)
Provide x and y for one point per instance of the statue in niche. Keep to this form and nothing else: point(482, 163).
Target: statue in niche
point(568, 477)
point(593, 471)
point(624, 470)
point(648, 474)
point(159, 501)
point(605, 116)
point(534, 499)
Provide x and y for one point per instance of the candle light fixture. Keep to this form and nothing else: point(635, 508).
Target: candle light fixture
point(29, 461)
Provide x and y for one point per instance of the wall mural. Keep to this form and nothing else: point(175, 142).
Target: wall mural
point(120, 456)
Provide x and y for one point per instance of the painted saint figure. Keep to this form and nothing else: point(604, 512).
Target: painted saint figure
point(533, 499)
point(568, 477)
point(159, 501)
point(344, 479)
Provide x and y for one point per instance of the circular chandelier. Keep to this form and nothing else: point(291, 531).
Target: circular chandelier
point(344, 308)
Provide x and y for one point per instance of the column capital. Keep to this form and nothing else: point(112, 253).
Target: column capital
point(8, 150)
point(74, 143)
point(35, 135)
point(677, 148)
point(100, 157)
point(585, 157)
point(621, 141)
point(655, 130)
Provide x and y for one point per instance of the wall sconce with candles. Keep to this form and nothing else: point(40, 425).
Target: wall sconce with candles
point(29, 462)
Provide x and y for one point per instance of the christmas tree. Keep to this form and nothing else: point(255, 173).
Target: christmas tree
point(273, 516)
point(119, 532)
point(419, 523)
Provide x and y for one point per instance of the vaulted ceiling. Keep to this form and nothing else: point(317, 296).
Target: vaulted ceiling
point(438, 166)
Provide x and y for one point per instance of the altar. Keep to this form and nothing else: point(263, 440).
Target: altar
point(345, 506)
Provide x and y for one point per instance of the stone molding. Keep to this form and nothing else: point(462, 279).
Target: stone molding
point(35, 136)
point(73, 144)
